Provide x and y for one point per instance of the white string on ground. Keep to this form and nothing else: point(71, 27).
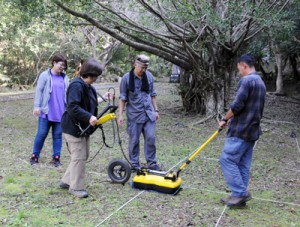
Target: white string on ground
point(178, 163)
point(218, 192)
point(211, 159)
point(261, 199)
point(254, 165)
point(23, 161)
point(296, 170)
point(217, 224)
point(297, 144)
point(185, 158)
point(275, 201)
point(108, 217)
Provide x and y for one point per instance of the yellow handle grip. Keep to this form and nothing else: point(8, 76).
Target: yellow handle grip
point(105, 118)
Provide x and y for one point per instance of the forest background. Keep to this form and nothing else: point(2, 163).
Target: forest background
point(204, 38)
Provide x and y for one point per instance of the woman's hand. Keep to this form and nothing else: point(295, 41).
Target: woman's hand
point(93, 120)
point(36, 112)
point(108, 96)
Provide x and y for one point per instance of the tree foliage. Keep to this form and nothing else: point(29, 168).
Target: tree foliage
point(33, 31)
point(202, 37)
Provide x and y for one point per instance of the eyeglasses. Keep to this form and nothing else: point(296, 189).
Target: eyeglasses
point(62, 65)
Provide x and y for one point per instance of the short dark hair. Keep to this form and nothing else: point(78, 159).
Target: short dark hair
point(58, 58)
point(248, 59)
point(90, 67)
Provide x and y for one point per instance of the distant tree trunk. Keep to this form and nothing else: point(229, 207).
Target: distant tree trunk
point(208, 93)
point(293, 61)
point(279, 78)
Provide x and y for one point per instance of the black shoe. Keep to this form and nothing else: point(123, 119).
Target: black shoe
point(34, 159)
point(55, 161)
point(154, 167)
point(135, 169)
point(63, 185)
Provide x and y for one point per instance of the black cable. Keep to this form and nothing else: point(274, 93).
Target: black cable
point(95, 154)
point(114, 133)
point(120, 144)
point(103, 136)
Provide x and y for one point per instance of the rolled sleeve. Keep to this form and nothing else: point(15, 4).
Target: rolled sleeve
point(151, 84)
point(123, 88)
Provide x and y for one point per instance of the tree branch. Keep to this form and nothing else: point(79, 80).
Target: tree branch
point(169, 57)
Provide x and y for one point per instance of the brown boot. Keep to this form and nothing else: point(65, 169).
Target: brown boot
point(236, 201)
point(224, 200)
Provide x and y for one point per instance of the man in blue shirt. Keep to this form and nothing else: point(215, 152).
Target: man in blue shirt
point(245, 114)
point(138, 94)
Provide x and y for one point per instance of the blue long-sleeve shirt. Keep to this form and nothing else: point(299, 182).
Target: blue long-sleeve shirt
point(248, 108)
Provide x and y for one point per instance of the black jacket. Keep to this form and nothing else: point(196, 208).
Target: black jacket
point(78, 110)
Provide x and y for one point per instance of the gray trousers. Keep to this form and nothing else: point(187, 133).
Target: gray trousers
point(75, 173)
point(134, 131)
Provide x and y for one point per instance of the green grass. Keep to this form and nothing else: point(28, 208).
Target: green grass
point(29, 195)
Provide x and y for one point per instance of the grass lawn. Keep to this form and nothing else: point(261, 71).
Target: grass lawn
point(30, 196)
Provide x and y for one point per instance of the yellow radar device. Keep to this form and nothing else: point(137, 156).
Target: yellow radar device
point(165, 182)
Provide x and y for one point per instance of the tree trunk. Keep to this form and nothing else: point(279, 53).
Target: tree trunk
point(208, 94)
point(293, 61)
point(279, 79)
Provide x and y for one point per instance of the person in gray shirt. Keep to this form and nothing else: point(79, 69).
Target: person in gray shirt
point(137, 93)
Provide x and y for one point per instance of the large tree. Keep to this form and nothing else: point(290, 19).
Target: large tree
point(203, 37)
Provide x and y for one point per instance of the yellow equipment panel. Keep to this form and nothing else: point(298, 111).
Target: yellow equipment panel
point(148, 181)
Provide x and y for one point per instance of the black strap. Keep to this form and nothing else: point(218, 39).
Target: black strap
point(145, 84)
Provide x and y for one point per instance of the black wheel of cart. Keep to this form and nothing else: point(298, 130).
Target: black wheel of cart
point(119, 171)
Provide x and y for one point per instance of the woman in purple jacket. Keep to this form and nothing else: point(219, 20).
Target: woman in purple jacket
point(49, 106)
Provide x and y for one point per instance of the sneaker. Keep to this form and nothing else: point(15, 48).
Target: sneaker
point(55, 161)
point(78, 193)
point(34, 159)
point(63, 185)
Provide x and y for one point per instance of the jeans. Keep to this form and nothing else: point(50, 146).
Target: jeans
point(135, 130)
point(235, 162)
point(42, 132)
